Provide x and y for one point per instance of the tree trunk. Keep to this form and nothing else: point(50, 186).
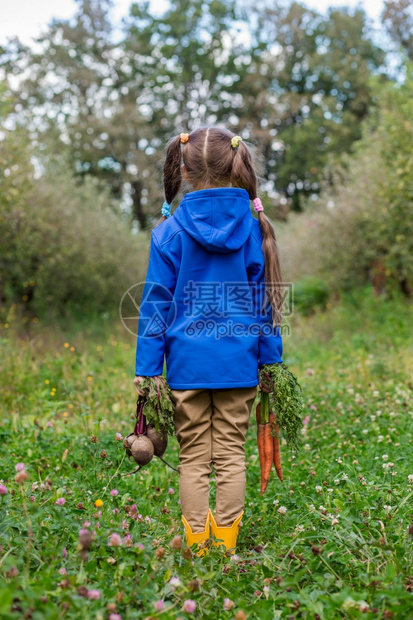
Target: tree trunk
point(137, 203)
point(405, 287)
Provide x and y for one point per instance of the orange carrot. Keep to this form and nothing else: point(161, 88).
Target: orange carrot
point(265, 448)
point(268, 456)
point(260, 439)
point(276, 447)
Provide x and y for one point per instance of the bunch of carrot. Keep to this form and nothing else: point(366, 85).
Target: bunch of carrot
point(268, 443)
point(280, 409)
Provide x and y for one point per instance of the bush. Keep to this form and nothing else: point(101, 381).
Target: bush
point(64, 248)
point(310, 293)
point(361, 231)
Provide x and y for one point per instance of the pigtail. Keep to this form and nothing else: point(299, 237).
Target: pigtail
point(243, 175)
point(272, 268)
point(172, 175)
point(243, 172)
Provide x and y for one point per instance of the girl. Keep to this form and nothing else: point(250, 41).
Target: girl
point(211, 305)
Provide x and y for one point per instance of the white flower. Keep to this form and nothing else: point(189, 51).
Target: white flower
point(387, 508)
point(321, 509)
point(282, 510)
point(355, 462)
point(339, 460)
point(330, 491)
point(410, 478)
point(391, 464)
point(300, 528)
point(380, 438)
point(276, 502)
point(319, 489)
point(385, 465)
point(336, 482)
point(373, 418)
point(385, 457)
point(175, 582)
point(311, 508)
point(334, 521)
point(307, 447)
point(344, 476)
point(376, 393)
point(365, 431)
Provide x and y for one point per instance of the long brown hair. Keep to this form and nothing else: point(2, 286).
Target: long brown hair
point(211, 161)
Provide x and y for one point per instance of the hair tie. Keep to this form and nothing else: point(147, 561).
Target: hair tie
point(166, 209)
point(184, 138)
point(235, 141)
point(257, 205)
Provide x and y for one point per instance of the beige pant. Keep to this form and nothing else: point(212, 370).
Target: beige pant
point(211, 426)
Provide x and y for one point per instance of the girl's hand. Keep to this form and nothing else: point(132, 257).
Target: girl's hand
point(265, 387)
point(137, 381)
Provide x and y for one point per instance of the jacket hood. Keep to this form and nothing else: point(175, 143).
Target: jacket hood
point(220, 218)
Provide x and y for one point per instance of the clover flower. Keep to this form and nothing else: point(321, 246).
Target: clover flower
point(115, 540)
point(189, 606)
point(94, 595)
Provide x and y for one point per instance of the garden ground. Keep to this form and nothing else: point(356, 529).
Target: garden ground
point(334, 540)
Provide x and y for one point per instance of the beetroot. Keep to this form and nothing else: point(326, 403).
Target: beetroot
point(160, 442)
point(142, 450)
point(154, 421)
point(127, 443)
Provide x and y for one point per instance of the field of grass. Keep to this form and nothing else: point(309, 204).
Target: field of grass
point(334, 540)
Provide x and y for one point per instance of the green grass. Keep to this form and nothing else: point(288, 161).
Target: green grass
point(340, 550)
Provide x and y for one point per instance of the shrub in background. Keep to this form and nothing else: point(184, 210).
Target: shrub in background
point(310, 293)
point(361, 231)
point(64, 248)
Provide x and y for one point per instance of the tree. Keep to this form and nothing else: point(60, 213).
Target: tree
point(114, 106)
point(293, 81)
point(397, 17)
point(305, 96)
point(361, 230)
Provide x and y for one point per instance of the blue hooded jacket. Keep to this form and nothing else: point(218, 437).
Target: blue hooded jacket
point(202, 304)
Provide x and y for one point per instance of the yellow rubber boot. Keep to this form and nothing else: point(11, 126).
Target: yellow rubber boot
point(227, 535)
point(197, 537)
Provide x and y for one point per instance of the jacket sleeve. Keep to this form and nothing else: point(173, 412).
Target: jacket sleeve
point(156, 301)
point(270, 346)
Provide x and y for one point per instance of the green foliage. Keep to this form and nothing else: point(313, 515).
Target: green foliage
point(362, 230)
point(159, 404)
point(285, 400)
point(341, 544)
point(291, 80)
point(64, 249)
point(310, 293)
point(397, 18)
